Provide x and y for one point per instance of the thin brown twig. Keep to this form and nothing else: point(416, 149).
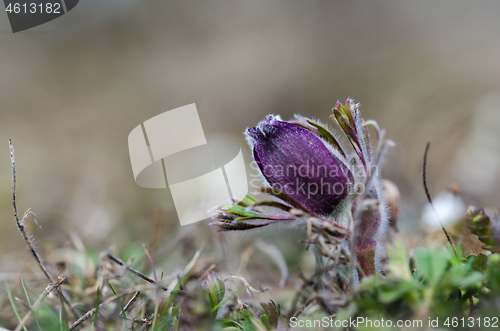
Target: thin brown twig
point(205, 274)
point(134, 271)
point(51, 287)
point(22, 302)
point(424, 177)
point(20, 223)
point(301, 309)
point(91, 312)
point(151, 261)
point(131, 302)
point(21, 227)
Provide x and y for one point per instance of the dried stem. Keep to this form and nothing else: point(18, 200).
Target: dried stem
point(301, 309)
point(46, 292)
point(325, 278)
point(424, 176)
point(91, 312)
point(354, 228)
point(131, 302)
point(20, 223)
point(20, 226)
point(134, 271)
point(151, 261)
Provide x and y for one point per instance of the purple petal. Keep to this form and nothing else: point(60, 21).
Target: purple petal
point(295, 161)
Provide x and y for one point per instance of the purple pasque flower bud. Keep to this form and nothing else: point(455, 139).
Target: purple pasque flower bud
point(318, 173)
point(295, 161)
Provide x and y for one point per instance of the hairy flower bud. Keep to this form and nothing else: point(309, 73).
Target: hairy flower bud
point(295, 161)
point(313, 171)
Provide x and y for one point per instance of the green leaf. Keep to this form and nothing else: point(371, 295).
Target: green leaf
point(493, 272)
point(397, 263)
point(348, 111)
point(398, 290)
point(215, 292)
point(461, 276)
point(479, 261)
point(29, 303)
point(227, 299)
point(240, 321)
point(119, 301)
point(483, 227)
point(328, 136)
point(13, 304)
point(271, 315)
point(242, 211)
point(247, 201)
point(343, 121)
point(431, 263)
point(97, 302)
point(345, 313)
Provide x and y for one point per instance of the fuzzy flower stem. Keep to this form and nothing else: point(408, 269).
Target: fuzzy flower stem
point(364, 202)
point(354, 227)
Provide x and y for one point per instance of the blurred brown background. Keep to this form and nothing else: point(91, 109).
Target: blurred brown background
point(71, 90)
